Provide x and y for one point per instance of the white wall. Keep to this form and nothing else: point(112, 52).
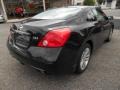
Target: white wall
point(112, 5)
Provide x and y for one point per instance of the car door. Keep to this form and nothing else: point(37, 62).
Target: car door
point(96, 30)
point(106, 23)
point(103, 22)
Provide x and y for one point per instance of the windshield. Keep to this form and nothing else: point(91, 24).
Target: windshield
point(59, 13)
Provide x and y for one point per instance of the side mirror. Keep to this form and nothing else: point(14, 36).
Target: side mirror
point(92, 19)
point(110, 18)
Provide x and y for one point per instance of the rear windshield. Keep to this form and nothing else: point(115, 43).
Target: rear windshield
point(59, 13)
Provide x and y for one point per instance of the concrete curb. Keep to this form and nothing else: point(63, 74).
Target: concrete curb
point(116, 17)
point(15, 20)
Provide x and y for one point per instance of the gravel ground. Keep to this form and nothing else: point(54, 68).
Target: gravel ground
point(116, 14)
point(112, 12)
point(103, 72)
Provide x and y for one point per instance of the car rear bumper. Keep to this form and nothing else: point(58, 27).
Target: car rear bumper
point(64, 62)
point(28, 60)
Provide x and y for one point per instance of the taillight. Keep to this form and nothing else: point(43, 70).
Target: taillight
point(55, 38)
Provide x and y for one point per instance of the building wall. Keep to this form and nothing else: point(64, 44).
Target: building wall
point(0, 7)
point(31, 7)
point(118, 4)
point(111, 4)
point(78, 2)
point(59, 3)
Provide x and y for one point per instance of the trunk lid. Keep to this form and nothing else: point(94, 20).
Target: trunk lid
point(29, 33)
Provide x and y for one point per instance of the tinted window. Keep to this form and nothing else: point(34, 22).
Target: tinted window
point(60, 13)
point(99, 15)
point(102, 13)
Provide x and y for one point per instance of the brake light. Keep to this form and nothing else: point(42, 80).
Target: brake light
point(55, 38)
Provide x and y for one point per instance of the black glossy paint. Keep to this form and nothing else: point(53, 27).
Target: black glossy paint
point(62, 59)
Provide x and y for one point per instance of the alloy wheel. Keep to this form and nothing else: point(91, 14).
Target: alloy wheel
point(85, 58)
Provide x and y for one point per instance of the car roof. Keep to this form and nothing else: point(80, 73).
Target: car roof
point(83, 7)
point(78, 7)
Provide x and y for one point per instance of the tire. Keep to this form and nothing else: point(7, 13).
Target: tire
point(85, 49)
point(22, 63)
point(110, 36)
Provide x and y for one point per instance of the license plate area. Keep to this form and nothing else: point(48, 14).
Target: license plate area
point(22, 40)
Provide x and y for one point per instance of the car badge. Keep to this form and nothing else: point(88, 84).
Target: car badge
point(21, 27)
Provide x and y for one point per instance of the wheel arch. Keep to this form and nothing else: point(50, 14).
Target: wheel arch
point(113, 26)
point(90, 42)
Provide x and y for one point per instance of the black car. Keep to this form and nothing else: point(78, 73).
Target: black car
point(60, 40)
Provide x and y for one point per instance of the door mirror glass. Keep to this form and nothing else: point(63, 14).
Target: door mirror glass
point(110, 18)
point(90, 16)
point(91, 19)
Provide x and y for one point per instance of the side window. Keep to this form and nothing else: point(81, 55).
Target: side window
point(103, 14)
point(99, 15)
